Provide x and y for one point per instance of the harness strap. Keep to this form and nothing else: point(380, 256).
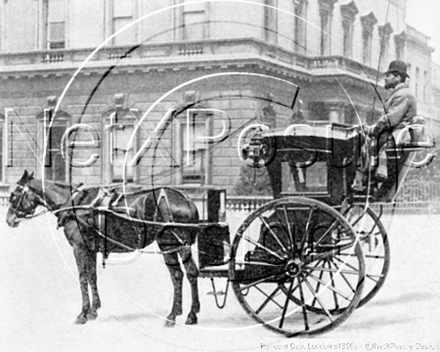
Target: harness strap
point(97, 230)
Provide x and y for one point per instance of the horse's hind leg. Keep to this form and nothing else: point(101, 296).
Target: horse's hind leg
point(173, 265)
point(96, 303)
point(81, 257)
point(192, 274)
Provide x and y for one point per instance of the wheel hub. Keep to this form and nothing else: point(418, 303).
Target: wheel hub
point(293, 268)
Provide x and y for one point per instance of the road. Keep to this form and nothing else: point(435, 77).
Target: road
point(40, 298)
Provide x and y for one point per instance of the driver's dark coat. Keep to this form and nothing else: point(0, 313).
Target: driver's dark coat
point(400, 108)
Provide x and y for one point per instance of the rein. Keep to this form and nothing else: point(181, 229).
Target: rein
point(58, 209)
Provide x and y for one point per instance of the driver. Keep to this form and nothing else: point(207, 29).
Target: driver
point(400, 110)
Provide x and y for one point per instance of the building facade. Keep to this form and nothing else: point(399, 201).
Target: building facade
point(159, 92)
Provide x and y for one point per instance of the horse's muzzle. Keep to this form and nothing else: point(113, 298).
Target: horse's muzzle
point(11, 219)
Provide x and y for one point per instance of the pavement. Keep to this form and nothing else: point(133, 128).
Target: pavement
point(40, 298)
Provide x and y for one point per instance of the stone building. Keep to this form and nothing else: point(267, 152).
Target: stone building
point(78, 75)
point(420, 67)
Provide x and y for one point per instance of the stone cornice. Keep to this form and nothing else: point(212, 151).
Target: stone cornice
point(178, 57)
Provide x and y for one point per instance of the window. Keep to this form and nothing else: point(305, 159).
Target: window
point(368, 23)
point(2, 148)
point(425, 84)
point(349, 13)
point(122, 15)
point(347, 38)
point(119, 127)
point(366, 47)
point(325, 32)
point(270, 21)
point(55, 166)
point(191, 150)
point(194, 23)
point(54, 27)
point(300, 25)
point(325, 13)
point(417, 81)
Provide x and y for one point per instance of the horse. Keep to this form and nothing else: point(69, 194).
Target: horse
point(75, 206)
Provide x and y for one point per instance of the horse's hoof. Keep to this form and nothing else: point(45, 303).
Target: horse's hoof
point(191, 320)
point(92, 315)
point(170, 323)
point(80, 320)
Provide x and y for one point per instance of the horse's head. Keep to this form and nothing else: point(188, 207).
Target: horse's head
point(22, 201)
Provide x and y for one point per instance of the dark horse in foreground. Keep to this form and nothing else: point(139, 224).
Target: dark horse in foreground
point(126, 221)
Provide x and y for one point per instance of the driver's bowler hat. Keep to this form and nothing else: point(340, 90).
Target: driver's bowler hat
point(398, 66)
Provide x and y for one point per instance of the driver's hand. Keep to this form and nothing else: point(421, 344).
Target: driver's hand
point(370, 130)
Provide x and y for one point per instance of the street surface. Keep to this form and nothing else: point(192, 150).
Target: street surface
point(40, 298)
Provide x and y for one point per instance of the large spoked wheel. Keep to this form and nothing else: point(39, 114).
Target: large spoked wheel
point(375, 246)
point(294, 263)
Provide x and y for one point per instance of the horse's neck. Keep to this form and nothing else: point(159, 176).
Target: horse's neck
point(52, 194)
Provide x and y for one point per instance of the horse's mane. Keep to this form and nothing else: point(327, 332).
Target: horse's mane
point(62, 185)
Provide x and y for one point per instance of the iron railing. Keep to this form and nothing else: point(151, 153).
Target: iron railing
point(415, 197)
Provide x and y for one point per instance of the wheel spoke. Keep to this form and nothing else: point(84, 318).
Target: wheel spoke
point(253, 262)
point(319, 300)
point(332, 226)
point(273, 235)
point(304, 310)
point(318, 284)
point(370, 276)
point(262, 247)
point(268, 299)
point(332, 253)
point(343, 276)
point(252, 284)
point(329, 287)
point(359, 218)
point(286, 305)
point(331, 271)
point(291, 238)
point(366, 255)
point(307, 230)
point(335, 298)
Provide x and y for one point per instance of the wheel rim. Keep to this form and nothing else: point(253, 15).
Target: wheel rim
point(375, 246)
point(280, 259)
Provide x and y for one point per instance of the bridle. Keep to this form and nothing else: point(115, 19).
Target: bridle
point(25, 213)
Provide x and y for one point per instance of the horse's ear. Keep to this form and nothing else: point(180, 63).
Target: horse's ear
point(24, 178)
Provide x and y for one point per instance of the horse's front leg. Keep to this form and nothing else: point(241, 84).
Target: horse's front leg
point(81, 257)
point(173, 265)
point(96, 303)
point(192, 273)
